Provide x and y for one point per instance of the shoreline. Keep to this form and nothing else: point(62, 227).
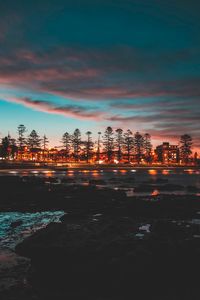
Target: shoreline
point(69, 166)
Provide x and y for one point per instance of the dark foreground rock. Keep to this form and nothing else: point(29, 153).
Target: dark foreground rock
point(100, 257)
point(13, 271)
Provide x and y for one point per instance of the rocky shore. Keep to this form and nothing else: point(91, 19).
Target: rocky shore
point(108, 246)
point(114, 258)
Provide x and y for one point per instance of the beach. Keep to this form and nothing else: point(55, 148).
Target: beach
point(100, 234)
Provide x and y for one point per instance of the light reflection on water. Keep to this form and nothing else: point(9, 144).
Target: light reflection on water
point(190, 171)
point(13, 172)
point(155, 192)
point(127, 179)
point(153, 172)
point(48, 174)
point(165, 172)
point(95, 174)
point(123, 171)
point(34, 172)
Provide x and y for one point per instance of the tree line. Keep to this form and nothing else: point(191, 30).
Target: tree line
point(112, 144)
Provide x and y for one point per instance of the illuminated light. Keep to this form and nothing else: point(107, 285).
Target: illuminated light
point(48, 174)
point(165, 172)
point(85, 184)
point(13, 172)
point(123, 171)
point(116, 161)
point(155, 193)
point(25, 173)
point(95, 173)
point(101, 161)
point(115, 171)
point(85, 171)
point(152, 172)
point(35, 172)
point(133, 171)
point(190, 171)
point(70, 174)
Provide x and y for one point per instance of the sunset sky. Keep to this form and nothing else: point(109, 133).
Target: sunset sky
point(96, 63)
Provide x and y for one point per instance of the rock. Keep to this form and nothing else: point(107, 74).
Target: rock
point(144, 188)
point(96, 256)
point(97, 182)
point(171, 187)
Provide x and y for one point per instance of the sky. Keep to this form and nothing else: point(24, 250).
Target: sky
point(89, 64)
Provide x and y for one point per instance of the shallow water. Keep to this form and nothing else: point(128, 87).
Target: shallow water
point(177, 175)
point(31, 222)
point(13, 268)
point(126, 179)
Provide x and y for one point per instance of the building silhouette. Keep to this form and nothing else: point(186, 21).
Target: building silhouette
point(167, 153)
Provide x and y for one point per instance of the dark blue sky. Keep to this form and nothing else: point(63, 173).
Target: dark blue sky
point(90, 64)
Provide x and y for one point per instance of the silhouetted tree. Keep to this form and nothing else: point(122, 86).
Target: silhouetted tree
point(21, 129)
point(13, 147)
point(98, 146)
point(185, 147)
point(5, 147)
point(76, 143)
point(108, 142)
point(33, 142)
point(119, 143)
point(21, 140)
point(147, 147)
point(45, 143)
point(138, 146)
point(66, 142)
point(89, 146)
point(128, 143)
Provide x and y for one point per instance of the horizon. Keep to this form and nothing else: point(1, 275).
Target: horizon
point(92, 64)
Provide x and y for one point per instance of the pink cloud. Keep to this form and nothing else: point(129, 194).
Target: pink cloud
point(72, 111)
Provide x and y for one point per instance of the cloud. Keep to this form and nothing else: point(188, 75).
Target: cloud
point(93, 74)
point(72, 111)
point(163, 119)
